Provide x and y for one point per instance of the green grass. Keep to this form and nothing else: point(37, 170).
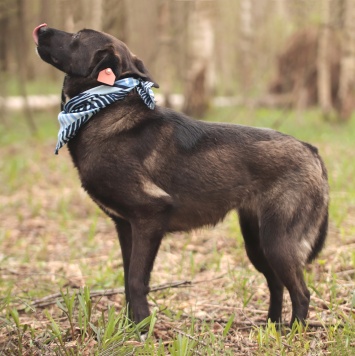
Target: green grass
point(55, 240)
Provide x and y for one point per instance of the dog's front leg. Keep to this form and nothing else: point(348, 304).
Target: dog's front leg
point(146, 238)
point(124, 231)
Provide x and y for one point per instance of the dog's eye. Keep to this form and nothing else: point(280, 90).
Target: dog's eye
point(54, 60)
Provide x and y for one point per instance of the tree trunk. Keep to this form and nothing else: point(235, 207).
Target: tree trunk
point(281, 9)
point(21, 69)
point(323, 68)
point(246, 44)
point(200, 53)
point(96, 15)
point(347, 62)
point(4, 47)
point(165, 48)
point(67, 11)
point(115, 22)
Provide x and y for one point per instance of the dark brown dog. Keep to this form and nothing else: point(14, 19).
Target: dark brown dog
point(157, 171)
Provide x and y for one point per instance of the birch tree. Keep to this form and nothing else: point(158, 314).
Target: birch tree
point(323, 70)
point(165, 49)
point(200, 59)
point(246, 42)
point(347, 62)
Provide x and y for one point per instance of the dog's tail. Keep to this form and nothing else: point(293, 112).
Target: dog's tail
point(319, 243)
point(323, 227)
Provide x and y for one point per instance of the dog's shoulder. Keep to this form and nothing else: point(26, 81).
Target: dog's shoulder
point(186, 131)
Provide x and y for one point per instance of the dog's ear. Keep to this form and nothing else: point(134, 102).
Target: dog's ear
point(104, 60)
point(136, 68)
point(122, 65)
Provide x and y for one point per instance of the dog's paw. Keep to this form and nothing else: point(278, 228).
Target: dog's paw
point(143, 336)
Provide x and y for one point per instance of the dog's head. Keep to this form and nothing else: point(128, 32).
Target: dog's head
point(87, 53)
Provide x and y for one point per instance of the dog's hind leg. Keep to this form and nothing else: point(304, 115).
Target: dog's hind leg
point(282, 251)
point(249, 225)
point(291, 275)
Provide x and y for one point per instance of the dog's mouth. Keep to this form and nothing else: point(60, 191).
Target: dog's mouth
point(36, 32)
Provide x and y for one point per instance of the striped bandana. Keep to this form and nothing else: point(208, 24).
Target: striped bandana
point(78, 110)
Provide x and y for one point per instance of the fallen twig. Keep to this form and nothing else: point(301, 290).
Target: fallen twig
point(225, 307)
point(248, 324)
point(329, 305)
point(52, 298)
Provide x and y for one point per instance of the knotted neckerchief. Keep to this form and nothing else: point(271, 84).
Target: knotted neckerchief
point(78, 110)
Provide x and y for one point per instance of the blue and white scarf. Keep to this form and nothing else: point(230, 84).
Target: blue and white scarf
point(78, 110)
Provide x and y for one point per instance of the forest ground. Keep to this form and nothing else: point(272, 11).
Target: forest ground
point(56, 247)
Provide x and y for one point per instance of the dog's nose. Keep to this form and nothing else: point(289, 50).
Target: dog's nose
point(42, 29)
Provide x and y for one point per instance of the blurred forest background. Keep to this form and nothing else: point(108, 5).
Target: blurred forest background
point(275, 53)
point(282, 64)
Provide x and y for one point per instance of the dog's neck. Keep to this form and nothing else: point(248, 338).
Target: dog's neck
point(73, 86)
point(80, 108)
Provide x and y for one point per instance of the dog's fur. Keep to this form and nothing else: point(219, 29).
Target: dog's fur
point(157, 171)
